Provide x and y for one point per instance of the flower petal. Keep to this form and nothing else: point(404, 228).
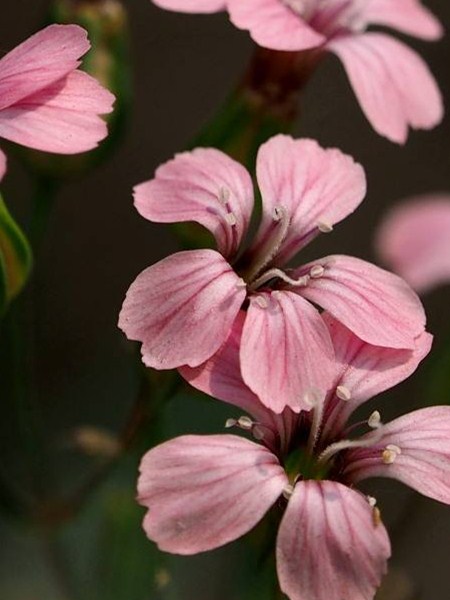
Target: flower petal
point(205, 491)
point(221, 378)
point(286, 352)
point(205, 186)
point(423, 437)
point(329, 547)
point(376, 305)
point(2, 164)
point(365, 371)
point(41, 60)
point(192, 6)
point(273, 25)
point(414, 240)
point(62, 118)
point(394, 86)
point(313, 185)
point(182, 308)
point(408, 16)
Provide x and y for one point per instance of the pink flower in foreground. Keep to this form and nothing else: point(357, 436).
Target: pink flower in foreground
point(205, 491)
point(46, 103)
point(182, 308)
point(414, 240)
point(392, 83)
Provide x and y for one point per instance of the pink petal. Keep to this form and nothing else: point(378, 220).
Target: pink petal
point(374, 304)
point(192, 6)
point(414, 240)
point(408, 16)
point(313, 185)
point(205, 491)
point(394, 86)
point(63, 117)
point(206, 186)
point(41, 60)
point(365, 370)
point(286, 351)
point(221, 378)
point(182, 308)
point(2, 164)
point(423, 438)
point(273, 25)
point(329, 547)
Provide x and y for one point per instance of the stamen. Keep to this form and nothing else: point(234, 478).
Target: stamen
point(275, 241)
point(343, 393)
point(374, 420)
point(317, 271)
point(372, 501)
point(288, 491)
point(394, 448)
point(279, 274)
point(223, 195)
point(229, 423)
point(245, 423)
point(315, 400)
point(230, 219)
point(241, 284)
point(324, 227)
point(261, 301)
point(376, 516)
point(388, 456)
point(258, 432)
point(336, 447)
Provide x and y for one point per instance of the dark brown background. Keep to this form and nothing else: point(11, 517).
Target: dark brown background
point(96, 244)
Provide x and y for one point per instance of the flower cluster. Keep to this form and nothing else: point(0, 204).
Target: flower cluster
point(393, 85)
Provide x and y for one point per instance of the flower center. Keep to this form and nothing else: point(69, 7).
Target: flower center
point(329, 17)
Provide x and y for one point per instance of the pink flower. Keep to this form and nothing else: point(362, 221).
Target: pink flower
point(393, 85)
point(46, 103)
point(183, 308)
point(414, 240)
point(205, 491)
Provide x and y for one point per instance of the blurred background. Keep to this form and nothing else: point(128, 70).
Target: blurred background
point(85, 377)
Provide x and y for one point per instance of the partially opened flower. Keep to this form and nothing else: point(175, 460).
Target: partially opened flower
point(204, 491)
point(393, 85)
point(414, 240)
point(46, 103)
point(182, 308)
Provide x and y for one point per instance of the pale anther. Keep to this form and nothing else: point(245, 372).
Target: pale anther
point(230, 219)
point(372, 501)
point(312, 398)
point(279, 213)
point(245, 423)
point(258, 432)
point(241, 284)
point(317, 271)
point(230, 423)
point(288, 491)
point(394, 448)
point(261, 301)
point(374, 420)
point(388, 456)
point(343, 393)
point(324, 227)
point(224, 195)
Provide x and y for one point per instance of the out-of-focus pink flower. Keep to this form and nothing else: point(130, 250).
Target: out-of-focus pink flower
point(183, 308)
point(46, 103)
point(204, 491)
point(392, 83)
point(414, 240)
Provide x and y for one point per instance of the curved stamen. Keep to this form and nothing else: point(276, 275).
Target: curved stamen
point(275, 241)
point(278, 274)
point(337, 447)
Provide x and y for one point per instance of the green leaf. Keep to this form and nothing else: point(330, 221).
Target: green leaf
point(15, 258)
